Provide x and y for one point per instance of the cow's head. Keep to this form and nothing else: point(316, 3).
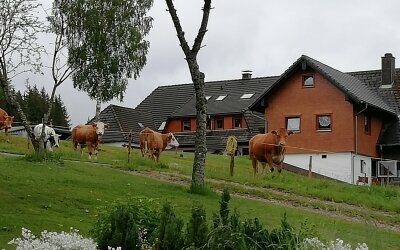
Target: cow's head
point(100, 127)
point(54, 140)
point(172, 142)
point(8, 120)
point(281, 136)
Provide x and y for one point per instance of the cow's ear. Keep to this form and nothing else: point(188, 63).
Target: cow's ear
point(12, 117)
point(290, 132)
point(274, 132)
point(94, 125)
point(106, 125)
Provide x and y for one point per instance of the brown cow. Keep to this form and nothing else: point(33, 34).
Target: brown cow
point(88, 135)
point(153, 143)
point(5, 122)
point(268, 148)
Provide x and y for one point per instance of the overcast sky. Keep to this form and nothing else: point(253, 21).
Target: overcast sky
point(259, 35)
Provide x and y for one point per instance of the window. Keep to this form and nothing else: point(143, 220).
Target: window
point(293, 124)
point(308, 81)
point(363, 165)
point(237, 122)
point(219, 123)
point(208, 122)
point(324, 122)
point(246, 96)
point(208, 97)
point(367, 124)
point(186, 125)
point(220, 98)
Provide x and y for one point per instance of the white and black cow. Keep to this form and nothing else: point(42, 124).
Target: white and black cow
point(51, 139)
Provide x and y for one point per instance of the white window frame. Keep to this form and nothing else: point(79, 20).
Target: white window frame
point(247, 96)
point(221, 97)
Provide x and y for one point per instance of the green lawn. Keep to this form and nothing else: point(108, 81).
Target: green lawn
point(49, 196)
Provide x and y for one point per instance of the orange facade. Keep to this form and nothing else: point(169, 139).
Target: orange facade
point(292, 99)
point(222, 122)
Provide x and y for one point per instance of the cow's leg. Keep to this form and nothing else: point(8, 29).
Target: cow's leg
point(96, 151)
point(6, 131)
point(280, 165)
point(270, 163)
point(263, 164)
point(89, 145)
point(254, 163)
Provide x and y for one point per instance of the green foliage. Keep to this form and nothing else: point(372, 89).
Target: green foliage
point(34, 104)
point(123, 222)
point(169, 232)
point(197, 229)
point(105, 41)
point(224, 208)
point(44, 156)
point(200, 189)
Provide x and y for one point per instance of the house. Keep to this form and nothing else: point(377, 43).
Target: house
point(172, 109)
point(348, 124)
point(344, 123)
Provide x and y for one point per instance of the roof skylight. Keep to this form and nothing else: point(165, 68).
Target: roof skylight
point(246, 96)
point(220, 98)
point(208, 97)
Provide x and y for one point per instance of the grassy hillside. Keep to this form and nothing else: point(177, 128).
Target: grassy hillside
point(56, 197)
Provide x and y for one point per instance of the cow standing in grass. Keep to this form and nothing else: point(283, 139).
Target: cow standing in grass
point(5, 122)
point(153, 143)
point(88, 135)
point(268, 148)
point(51, 139)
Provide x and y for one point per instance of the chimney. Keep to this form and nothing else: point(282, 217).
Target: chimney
point(246, 74)
point(388, 70)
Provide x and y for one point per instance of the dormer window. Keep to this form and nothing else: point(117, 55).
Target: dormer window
point(308, 81)
point(220, 98)
point(246, 96)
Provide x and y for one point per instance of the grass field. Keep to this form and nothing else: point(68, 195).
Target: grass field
point(51, 196)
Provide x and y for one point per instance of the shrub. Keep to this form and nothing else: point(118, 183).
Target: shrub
point(169, 232)
point(44, 156)
point(197, 229)
point(121, 224)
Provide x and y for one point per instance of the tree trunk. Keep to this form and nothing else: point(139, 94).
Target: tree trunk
point(98, 102)
point(201, 112)
point(198, 82)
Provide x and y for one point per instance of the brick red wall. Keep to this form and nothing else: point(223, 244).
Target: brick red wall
point(292, 99)
point(175, 125)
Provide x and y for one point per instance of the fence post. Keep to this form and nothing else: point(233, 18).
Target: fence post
point(129, 145)
point(310, 167)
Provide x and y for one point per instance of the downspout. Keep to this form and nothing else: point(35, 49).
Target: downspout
point(356, 141)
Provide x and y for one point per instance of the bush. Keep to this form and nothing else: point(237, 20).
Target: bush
point(44, 156)
point(126, 224)
point(169, 232)
point(197, 229)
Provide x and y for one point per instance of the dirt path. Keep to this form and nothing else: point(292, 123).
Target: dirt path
point(328, 208)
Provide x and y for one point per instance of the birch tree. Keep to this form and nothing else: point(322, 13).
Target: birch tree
point(106, 44)
point(198, 84)
point(19, 50)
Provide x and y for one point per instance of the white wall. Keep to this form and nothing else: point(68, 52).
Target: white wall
point(336, 165)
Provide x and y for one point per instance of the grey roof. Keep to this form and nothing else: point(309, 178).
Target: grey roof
point(232, 103)
point(390, 133)
point(122, 120)
point(357, 90)
point(164, 101)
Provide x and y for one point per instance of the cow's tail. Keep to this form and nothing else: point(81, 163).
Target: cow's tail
point(250, 148)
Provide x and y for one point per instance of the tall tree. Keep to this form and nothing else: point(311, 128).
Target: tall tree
point(198, 83)
point(19, 51)
point(106, 44)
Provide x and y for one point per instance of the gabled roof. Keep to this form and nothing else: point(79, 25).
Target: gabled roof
point(357, 91)
point(233, 90)
point(164, 101)
point(122, 120)
point(390, 133)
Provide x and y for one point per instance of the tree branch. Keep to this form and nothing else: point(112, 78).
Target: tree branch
point(203, 27)
point(178, 27)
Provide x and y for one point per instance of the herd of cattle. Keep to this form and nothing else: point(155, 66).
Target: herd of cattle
point(264, 148)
